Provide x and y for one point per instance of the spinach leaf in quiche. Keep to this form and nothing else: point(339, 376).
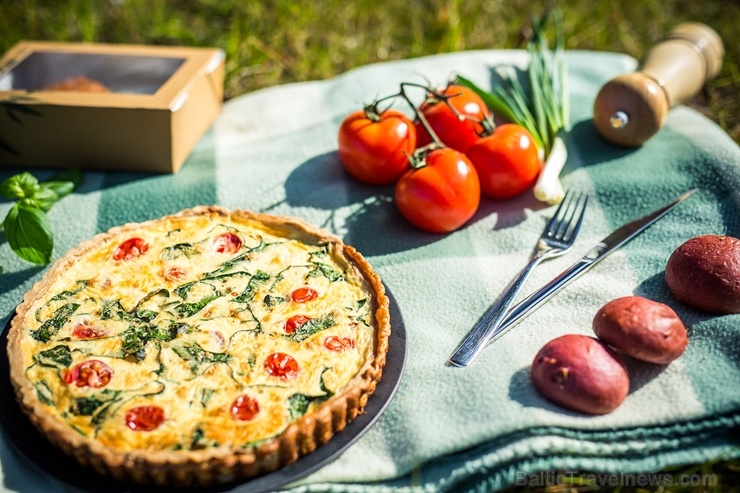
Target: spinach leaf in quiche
point(145, 314)
point(245, 256)
point(311, 327)
point(62, 296)
point(134, 338)
point(138, 333)
point(57, 357)
point(183, 290)
point(205, 396)
point(113, 310)
point(256, 280)
point(44, 393)
point(178, 250)
point(190, 309)
point(196, 355)
point(358, 314)
point(86, 406)
point(51, 326)
point(329, 272)
point(298, 403)
point(198, 440)
point(271, 300)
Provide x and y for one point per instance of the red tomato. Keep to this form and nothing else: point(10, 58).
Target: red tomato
point(454, 132)
point(245, 408)
point(442, 195)
point(84, 331)
point(303, 295)
point(294, 322)
point(507, 162)
point(130, 248)
point(174, 274)
point(282, 365)
point(227, 243)
point(144, 418)
point(375, 152)
point(338, 344)
point(91, 373)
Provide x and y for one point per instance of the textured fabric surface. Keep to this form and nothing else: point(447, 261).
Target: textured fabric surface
point(483, 427)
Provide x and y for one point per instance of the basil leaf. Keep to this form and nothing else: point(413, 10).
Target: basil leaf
point(45, 198)
point(20, 186)
point(59, 181)
point(29, 234)
point(61, 188)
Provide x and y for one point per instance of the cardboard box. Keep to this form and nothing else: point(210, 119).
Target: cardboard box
point(159, 101)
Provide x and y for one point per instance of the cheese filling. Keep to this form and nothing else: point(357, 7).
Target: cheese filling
point(197, 332)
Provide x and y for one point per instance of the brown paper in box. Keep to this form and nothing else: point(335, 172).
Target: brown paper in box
point(159, 101)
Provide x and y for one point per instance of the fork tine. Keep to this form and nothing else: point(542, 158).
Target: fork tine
point(578, 212)
point(567, 216)
point(557, 217)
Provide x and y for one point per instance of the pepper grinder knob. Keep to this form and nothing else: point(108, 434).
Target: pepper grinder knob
point(631, 108)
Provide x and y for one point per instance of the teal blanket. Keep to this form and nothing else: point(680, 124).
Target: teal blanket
point(483, 427)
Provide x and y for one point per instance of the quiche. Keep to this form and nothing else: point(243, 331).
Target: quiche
point(199, 348)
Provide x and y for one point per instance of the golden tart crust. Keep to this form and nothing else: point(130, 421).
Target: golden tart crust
point(89, 353)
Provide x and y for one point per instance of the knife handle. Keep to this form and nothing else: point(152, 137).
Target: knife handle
point(633, 107)
point(539, 297)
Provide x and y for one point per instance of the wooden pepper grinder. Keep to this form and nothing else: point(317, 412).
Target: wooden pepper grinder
point(631, 108)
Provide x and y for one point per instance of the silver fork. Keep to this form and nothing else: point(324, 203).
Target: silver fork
point(556, 239)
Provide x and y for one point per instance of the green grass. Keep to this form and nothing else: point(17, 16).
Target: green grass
point(276, 42)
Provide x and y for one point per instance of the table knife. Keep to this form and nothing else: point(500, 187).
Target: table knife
point(595, 255)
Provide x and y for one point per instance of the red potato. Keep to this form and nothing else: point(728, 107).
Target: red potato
point(641, 328)
point(580, 373)
point(704, 272)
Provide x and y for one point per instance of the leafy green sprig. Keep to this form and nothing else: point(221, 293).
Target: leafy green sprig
point(540, 104)
point(27, 227)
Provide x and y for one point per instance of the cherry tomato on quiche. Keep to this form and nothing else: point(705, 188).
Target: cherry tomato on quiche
point(130, 248)
point(282, 365)
point(376, 152)
point(294, 322)
point(338, 344)
point(304, 295)
point(441, 195)
point(245, 408)
point(87, 331)
point(90, 373)
point(453, 131)
point(507, 162)
point(144, 418)
point(227, 243)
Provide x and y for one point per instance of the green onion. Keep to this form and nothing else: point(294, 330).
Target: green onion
point(544, 111)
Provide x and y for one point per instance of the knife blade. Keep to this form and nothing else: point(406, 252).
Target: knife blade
point(595, 255)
